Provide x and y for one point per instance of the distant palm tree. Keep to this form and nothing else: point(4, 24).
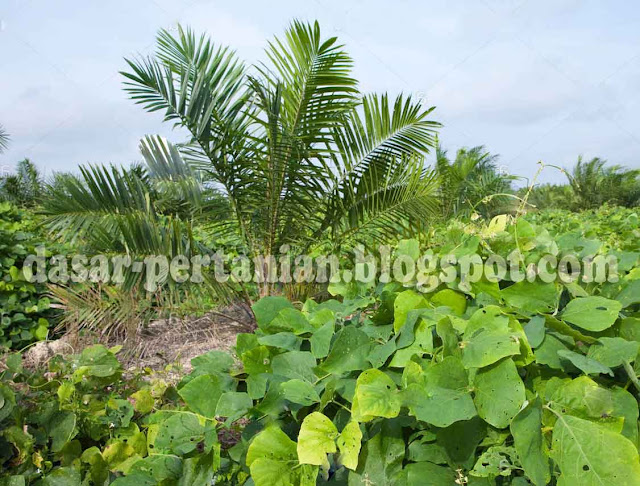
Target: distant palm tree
point(4, 139)
point(551, 196)
point(594, 183)
point(471, 182)
point(291, 153)
point(25, 187)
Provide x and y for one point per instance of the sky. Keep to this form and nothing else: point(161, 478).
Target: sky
point(531, 80)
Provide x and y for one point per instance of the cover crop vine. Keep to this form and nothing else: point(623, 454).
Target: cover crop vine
point(503, 384)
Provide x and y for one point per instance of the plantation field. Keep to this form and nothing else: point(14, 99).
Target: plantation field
point(304, 287)
point(486, 384)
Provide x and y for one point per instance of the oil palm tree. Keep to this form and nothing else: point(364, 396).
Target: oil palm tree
point(594, 183)
point(24, 187)
point(551, 196)
point(471, 182)
point(289, 152)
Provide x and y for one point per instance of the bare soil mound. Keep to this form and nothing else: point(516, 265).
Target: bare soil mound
point(163, 342)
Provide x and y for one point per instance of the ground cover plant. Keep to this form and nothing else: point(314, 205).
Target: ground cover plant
point(509, 383)
point(25, 307)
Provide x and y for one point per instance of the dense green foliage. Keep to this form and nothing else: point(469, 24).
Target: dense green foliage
point(24, 308)
point(480, 384)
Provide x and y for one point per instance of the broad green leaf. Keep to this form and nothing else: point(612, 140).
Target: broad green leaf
point(534, 330)
point(321, 340)
point(380, 461)
point(257, 360)
point(440, 406)
point(589, 454)
point(272, 443)
point(14, 362)
point(460, 441)
point(418, 473)
point(98, 470)
point(630, 328)
point(349, 444)
point(456, 301)
point(531, 297)
point(267, 472)
point(317, 438)
point(179, 434)
point(136, 479)
point(376, 395)
point(499, 393)
point(300, 392)
point(273, 460)
point(198, 471)
point(267, 308)
point(405, 302)
point(289, 320)
point(497, 460)
point(13, 481)
point(202, 394)
point(586, 365)
point(62, 428)
point(487, 346)
point(443, 398)
point(613, 352)
point(233, 405)
point(422, 344)
point(592, 313)
point(282, 340)
point(630, 294)
point(584, 398)
point(159, 467)
point(64, 476)
point(526, 428)
point(97, 361)
point(349, 352)
point(547, 352)
point(381, 353)
point(295, 365)
point(425, 449)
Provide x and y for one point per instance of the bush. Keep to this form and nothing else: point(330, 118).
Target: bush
point(25, 309)
point(486, 384)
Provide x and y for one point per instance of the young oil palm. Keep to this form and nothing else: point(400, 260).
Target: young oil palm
point(289, 152)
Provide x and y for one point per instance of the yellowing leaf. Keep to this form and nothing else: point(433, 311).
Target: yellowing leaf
point(317, 438)
point(349, 444)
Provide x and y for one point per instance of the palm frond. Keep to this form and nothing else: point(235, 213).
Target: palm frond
point(380, 180)
point(4, 139)
point(315, 80)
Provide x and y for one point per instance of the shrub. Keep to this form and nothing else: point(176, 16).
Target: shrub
point(25, 310)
